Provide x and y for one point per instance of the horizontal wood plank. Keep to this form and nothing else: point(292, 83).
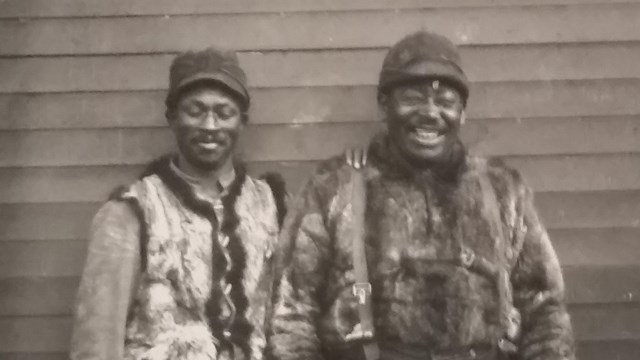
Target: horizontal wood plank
point(618, 350)
point(321, 68)
point(612, 97)
point(602, 209)
point(319, 30)
point(35, 334)
point(42, 258)
point(94, 183)
point(597, 247)
point(559, 210)
point(575, 248)
point(38, 296)
point(493, 137)
point(49, 222)
point(591, 322)
point(579, 172)
point(96, 8)
point(602, 285)
point(606, 322)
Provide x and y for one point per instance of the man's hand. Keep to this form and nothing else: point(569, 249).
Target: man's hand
point(356, 157)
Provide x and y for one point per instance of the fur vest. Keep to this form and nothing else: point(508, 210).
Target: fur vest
point(206, 268)
point(418, 223)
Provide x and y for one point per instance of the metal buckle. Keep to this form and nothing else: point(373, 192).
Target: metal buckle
point(357, 334)
point(467, 257)
point(361, 291)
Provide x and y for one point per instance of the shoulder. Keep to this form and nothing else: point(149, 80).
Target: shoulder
point(151, 177)
point(505, 179)
point(257, 188)
point(114, 211)
point(265, 194)
point(329, 176)
point(330, 188)
point(115, 227)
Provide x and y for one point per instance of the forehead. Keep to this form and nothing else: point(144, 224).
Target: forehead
point(207, 93)
point(426, 86)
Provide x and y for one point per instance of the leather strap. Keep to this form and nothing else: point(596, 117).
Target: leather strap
point(362, 287)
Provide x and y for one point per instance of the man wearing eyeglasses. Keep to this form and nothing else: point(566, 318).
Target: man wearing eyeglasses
point(179, 263)
point(426, 253)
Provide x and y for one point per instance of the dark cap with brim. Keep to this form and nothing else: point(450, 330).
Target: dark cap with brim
point(210, 65)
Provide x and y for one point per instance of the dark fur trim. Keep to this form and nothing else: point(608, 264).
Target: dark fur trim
point(241, 328)
point(118, 192)
point(279, 189)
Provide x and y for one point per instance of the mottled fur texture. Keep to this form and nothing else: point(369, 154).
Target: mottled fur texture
point(417, 222)
point(177, 309)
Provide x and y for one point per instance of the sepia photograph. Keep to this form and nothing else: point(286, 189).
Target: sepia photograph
point(319, 179)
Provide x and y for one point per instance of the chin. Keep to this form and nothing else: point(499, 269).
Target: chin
point(422, 154)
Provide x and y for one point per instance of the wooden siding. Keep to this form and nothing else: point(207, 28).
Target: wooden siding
point(81, 112)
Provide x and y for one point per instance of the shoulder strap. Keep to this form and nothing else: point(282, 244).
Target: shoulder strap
point(362, 287)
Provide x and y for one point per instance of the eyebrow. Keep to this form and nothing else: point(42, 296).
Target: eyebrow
point(200, 102)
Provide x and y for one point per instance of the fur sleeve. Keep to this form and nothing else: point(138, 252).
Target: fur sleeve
point(302, 260)
point(539, 290)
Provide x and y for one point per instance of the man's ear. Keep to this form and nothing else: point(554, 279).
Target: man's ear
point(384, 103)
point(463, 117)
point(169, 114)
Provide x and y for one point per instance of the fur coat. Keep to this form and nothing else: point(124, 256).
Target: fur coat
point(417, 223)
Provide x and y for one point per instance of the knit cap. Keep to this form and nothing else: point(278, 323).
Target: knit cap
point(423, 55)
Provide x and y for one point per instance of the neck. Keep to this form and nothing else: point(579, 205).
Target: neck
point(204, 175)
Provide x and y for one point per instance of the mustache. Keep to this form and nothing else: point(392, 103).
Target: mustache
point(210, 136)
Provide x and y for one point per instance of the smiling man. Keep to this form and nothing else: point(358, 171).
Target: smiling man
point(457, 264)
point(180, 262)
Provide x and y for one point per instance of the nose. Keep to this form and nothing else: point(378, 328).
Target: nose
point(210, 121)
point(429, 110)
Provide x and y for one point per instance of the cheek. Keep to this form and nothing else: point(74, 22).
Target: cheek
point(234, 129)
point(397, 117)
point(453, 117)
point(401, 112)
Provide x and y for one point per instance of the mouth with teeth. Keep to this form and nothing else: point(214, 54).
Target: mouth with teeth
point(208, 143)
point(426, 137)
point(208, 146)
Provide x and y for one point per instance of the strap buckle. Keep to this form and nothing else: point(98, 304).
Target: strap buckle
point(466, 257)
point(362, 290)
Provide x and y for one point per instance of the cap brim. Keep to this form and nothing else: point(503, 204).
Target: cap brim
point(219, 77)
point(426, 70)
